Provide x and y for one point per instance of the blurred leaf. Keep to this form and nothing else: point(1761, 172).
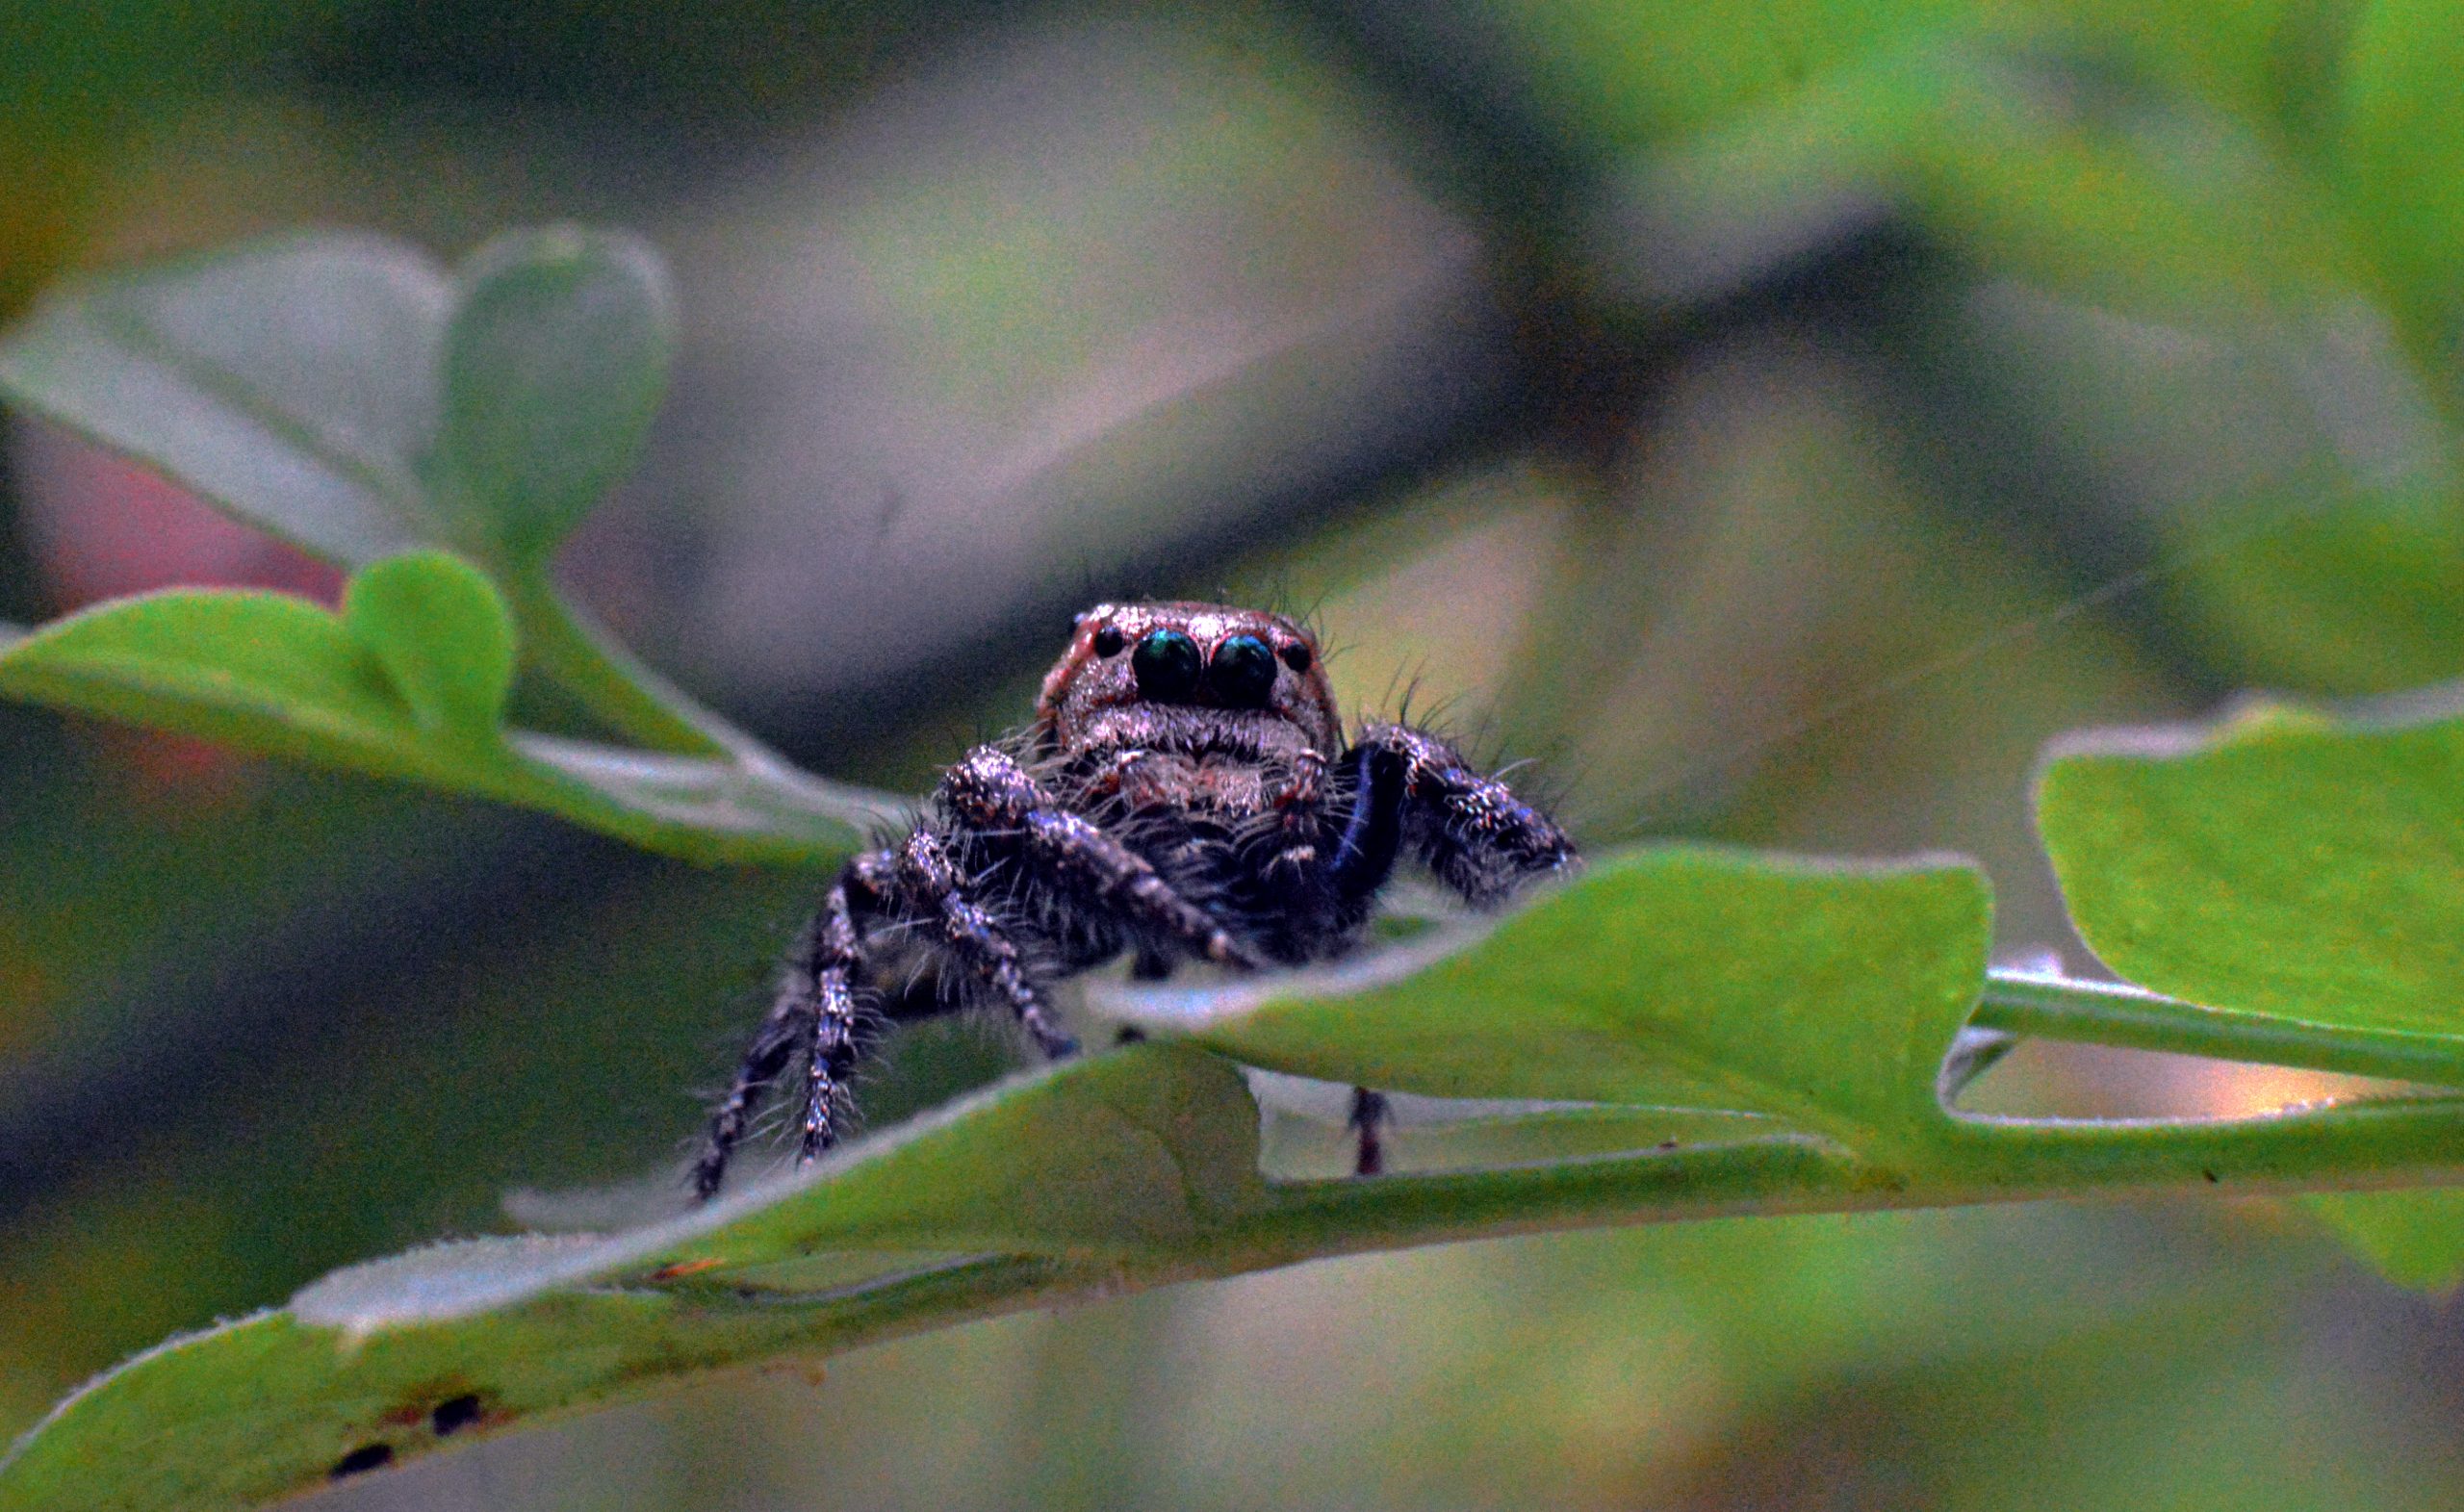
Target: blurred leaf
point(554, 363)
point(442, 636)
point(2284, 866)
point(2403, 138)
point(407, 683)
point(1630, 987)
point(2360, 594)
point(2415, 1239)
point(293, 383)
point(2060, 165)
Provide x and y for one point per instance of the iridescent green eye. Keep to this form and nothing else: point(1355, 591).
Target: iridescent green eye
point(1243, 672)
point(1167, 665)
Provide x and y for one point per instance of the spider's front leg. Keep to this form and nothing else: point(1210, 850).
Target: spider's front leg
point(1408, 787)
point(917, 888)
point(989, 794)
point(1411, 789)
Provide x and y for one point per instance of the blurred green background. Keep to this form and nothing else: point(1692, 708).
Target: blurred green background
point(1776, 422)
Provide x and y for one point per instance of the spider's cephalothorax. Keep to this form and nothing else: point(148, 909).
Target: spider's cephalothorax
point(1185, 793)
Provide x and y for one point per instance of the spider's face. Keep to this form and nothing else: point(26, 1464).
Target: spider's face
point(1193, 677)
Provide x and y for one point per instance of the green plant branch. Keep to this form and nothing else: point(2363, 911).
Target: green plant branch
point(576, 653)
point(2398, 1143)
point(2131, 1019)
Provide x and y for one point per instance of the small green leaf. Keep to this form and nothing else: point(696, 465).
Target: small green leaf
point(443, 635)
point(1823, 994)
point(2414, 1239)
point(408, 685)
point(554, 363)
point(265, 670)
point(293, 383)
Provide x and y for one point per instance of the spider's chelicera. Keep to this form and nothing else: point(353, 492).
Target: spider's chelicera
point(1185, 793)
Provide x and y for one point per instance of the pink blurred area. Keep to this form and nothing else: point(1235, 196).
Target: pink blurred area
point(101, 527)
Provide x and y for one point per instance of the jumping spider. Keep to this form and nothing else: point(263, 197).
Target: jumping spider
point(1183, 793)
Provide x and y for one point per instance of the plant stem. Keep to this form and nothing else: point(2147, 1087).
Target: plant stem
point(2113, 1013)
point(2396, 1143)
point(573, 648)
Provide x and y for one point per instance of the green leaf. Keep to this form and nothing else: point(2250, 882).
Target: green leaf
point(441, 633)
point(409, 682)
point(1133, 1154)
point(554, 363)
point(2056, 166)
point(1630, 986)
point(263, 670)
point(2414, 1239)
point(2293, 869)
point(2288, 865)
point(2403, 138)
point(706, 809)
point(293, 383)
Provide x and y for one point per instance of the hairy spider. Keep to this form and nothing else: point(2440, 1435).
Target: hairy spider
point(1185, 793)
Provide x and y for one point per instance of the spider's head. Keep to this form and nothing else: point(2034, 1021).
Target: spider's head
point(1197, 677)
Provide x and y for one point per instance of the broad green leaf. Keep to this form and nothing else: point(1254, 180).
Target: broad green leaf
point(554, 362)
point(441, 633)
point(294, 383)
point(1822, 994)
point(2403, 139)
point(2285, 867)
point(270, 1408)
point(1137, 1153)
point(2414, 1239)
point(2279, 865)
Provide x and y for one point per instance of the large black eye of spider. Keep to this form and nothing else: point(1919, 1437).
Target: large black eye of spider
point(1109, 641)
point(1167, 665)
point(1243, 672)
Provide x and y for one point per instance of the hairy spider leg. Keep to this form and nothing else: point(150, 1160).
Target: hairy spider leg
point(989, 791)
point(1376, 776)
point(815, 1009)
point(931, 886)
point(1469, 828)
